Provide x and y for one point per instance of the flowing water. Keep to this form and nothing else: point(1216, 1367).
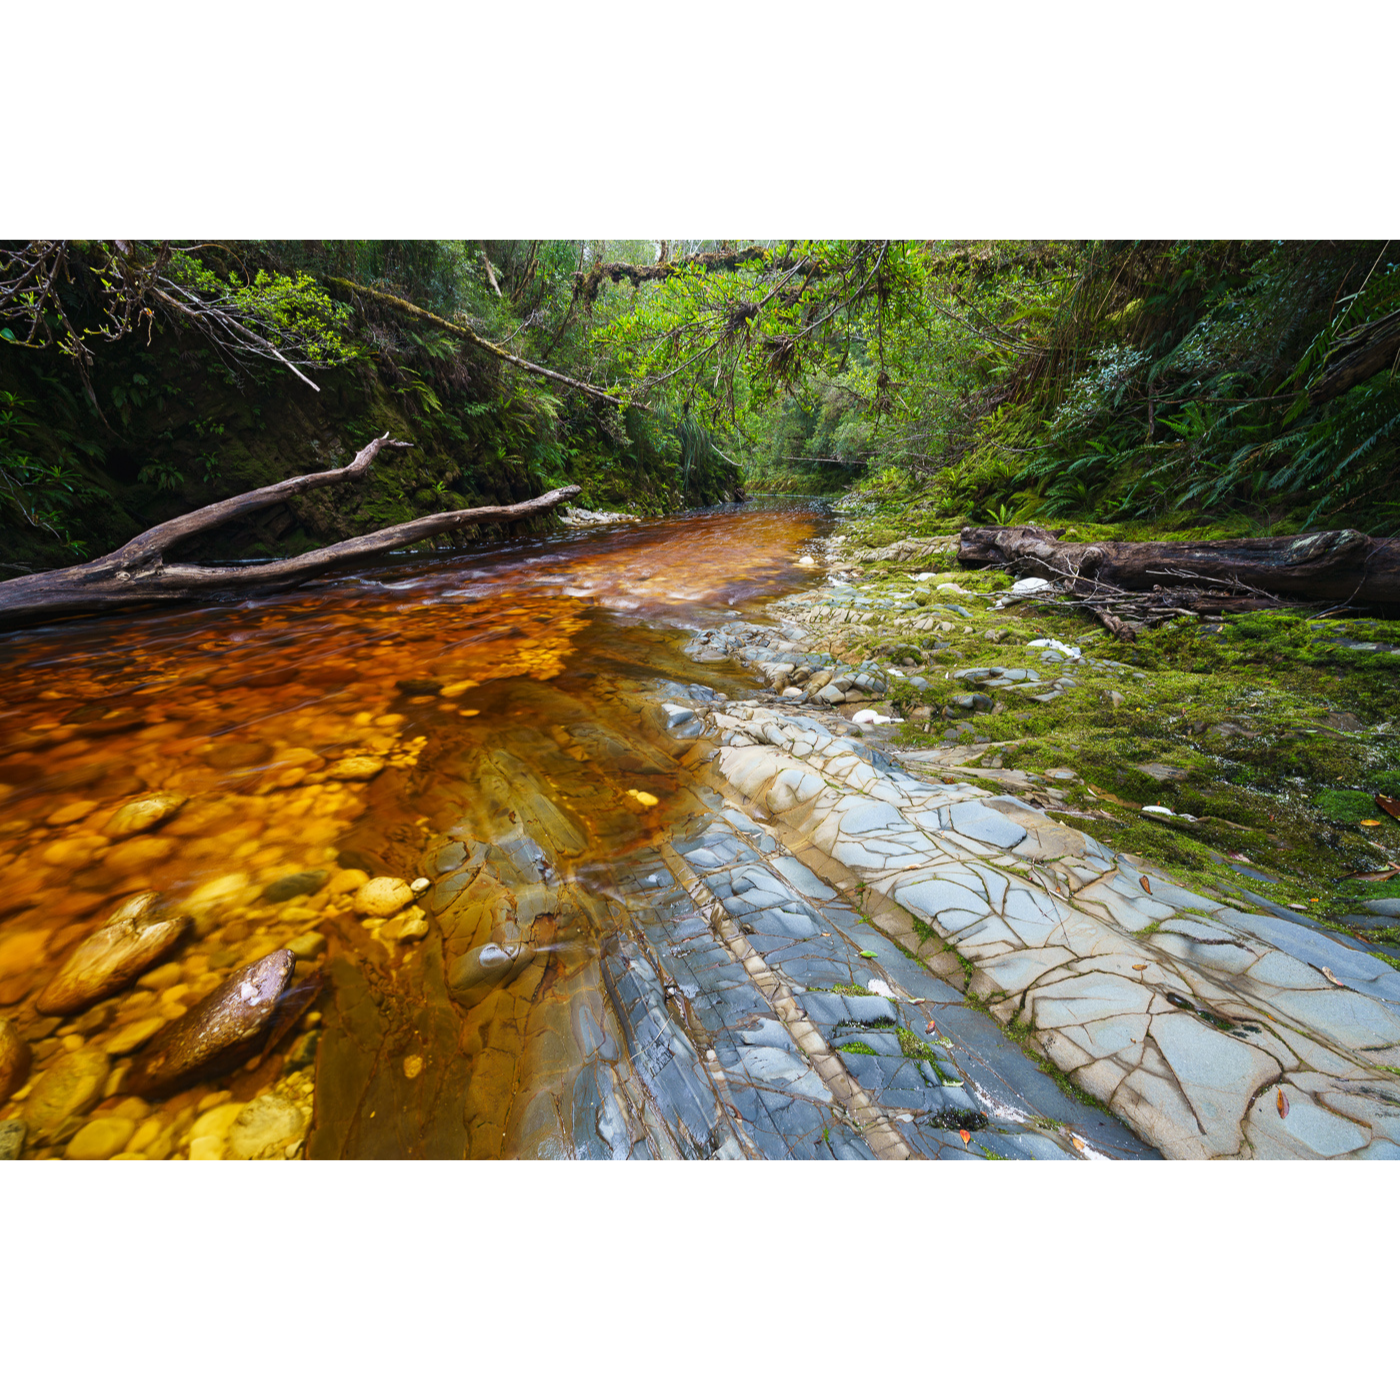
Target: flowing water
point(437, 861)
point(504, 703)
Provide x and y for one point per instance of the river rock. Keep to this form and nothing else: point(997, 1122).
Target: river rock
point(126, 1038)
point(64, 1092)
point(358, 769)
point(128, 943)
point(100, 1139)
point(382, 897)
point(12, 1133)
point(289, 886)
point(265, 1127)
point(308, 945)
point(14, 1060)
point(477, 971)
point(229, 1019)
point(142, 813)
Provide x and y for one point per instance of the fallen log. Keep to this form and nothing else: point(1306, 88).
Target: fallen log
point(136, 573)
point(1332, 565)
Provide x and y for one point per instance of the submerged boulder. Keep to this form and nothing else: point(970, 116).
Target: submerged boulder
point(228, 1023)
point(476, 972)
point(124, 947)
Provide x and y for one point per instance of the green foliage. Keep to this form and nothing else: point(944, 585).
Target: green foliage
point(292, 311)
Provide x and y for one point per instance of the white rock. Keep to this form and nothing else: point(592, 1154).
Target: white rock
point(1023, 586)
point(870, 717)
point(1054, 645)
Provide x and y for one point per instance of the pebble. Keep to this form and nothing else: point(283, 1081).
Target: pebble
point(420, 885)
point(145, 1135)
point(209, 1132)
point(127, 1038)
point(358, 769)
point(346, 881)
point(289, 886)
point(303, 1051)
point(12, 1133)
point(14, 1060)
point(66, 1090)
point(161, 978)
point(128, 943)
point(382, 897)
point(100, 1139)
point(269, 1122)
point(144, 813)
point(309, 945)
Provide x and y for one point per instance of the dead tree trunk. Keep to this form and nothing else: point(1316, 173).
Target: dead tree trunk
point(1336, 565)
point(1129, 586)
point(136, 573)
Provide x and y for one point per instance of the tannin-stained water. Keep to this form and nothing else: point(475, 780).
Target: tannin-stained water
point(484, 721)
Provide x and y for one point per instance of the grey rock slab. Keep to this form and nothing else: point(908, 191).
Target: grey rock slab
point(866, 1011)
point(770, 1033)
point(1308, 1126)
point(767, 1065)
point(1089, 998)
point(1361, 971)
point(1218, 1073)
point(802, 879)
point(983, 824)
point(929, 899)
point(1353, 1020)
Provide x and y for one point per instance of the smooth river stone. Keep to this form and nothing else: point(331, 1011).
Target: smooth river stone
point(382, 897)
point(231, 1017)
point(12, 1133)
point(358, 769)
point(100, 1139)
point(142, 813)
point(124, 947)
point(476, 972)
point(14, 1060)
point(65, 1091)
point(290, 886)
point(270, 1121)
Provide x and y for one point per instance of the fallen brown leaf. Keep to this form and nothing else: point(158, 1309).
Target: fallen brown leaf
point(1282, 1104)
point(1388, 805)
point(931, 1028)
point(965, 1135)
point(1332, 977)
point(1142, 880)
point(1139, 967)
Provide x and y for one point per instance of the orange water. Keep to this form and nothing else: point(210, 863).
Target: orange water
point(422, 664)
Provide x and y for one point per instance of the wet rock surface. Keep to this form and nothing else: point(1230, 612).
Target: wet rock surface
point(128, 943)
point(600, 911)
point(227, 1022)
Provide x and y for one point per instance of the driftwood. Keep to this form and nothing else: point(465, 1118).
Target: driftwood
point(1128, 585)
point(137, 574)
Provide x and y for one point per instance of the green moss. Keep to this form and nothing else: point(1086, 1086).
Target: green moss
point(1345, 804)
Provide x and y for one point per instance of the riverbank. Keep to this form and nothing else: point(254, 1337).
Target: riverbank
point(767, 926)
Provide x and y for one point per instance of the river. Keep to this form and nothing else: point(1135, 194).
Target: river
point(461, 806)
